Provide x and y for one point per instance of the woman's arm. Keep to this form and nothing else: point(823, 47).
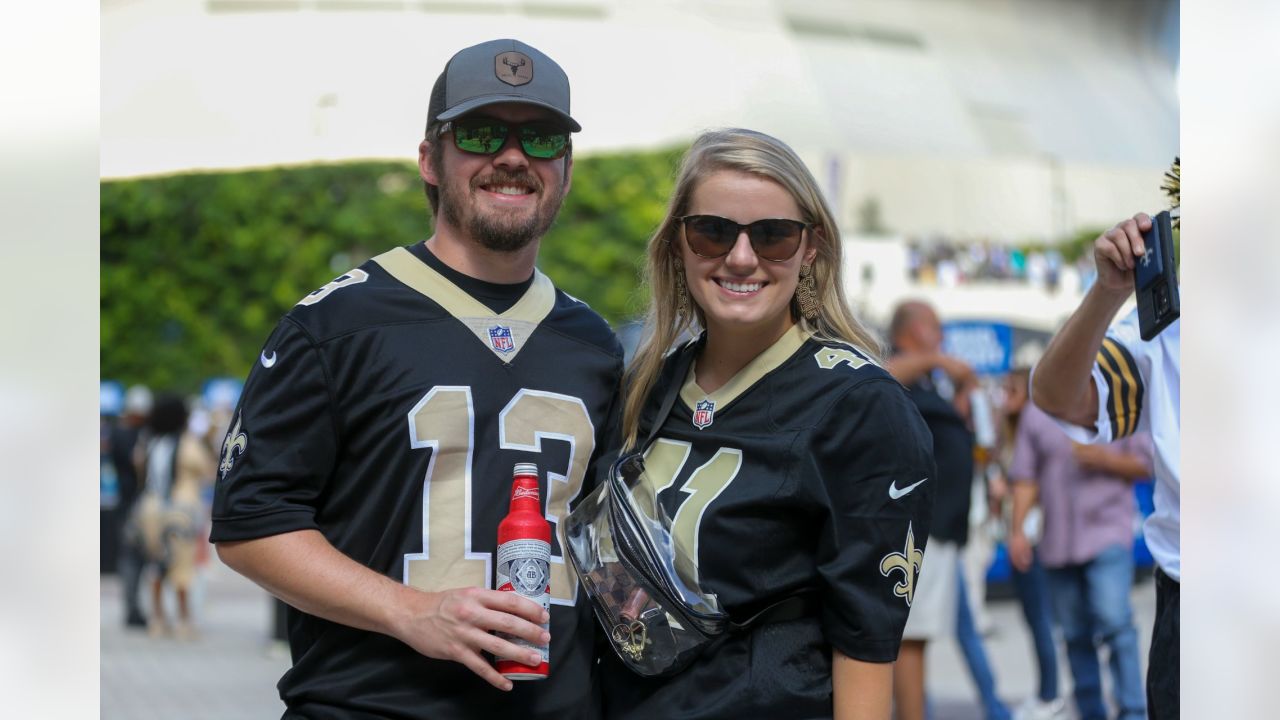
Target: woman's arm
point(861, 690)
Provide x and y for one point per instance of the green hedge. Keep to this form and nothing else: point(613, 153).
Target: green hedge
point(197, 268)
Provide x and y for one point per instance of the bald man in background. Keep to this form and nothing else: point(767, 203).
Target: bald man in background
point(939, 386)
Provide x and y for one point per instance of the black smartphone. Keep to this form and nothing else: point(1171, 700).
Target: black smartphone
point(1155, 279)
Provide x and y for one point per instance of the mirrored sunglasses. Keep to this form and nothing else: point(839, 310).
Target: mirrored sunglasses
point(486, 136)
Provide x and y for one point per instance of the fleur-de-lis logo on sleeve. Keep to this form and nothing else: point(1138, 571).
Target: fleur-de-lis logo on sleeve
point(908, 561)
point(235, 444)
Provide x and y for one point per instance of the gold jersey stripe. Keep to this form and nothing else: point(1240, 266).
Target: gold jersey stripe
point(1114, 412)
point(403, 266)
point(761, 365)
point(1125, 383)
point(1131, 371)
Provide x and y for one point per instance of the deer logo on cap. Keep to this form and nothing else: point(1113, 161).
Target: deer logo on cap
point(513, 68)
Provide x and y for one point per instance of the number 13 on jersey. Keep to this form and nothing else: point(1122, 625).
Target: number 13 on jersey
point(444, 421)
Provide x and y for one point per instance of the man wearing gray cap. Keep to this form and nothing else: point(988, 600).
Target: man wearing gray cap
point(370, 458)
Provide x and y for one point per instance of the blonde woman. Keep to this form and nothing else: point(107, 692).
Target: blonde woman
point(794, 465)
point(176, 465)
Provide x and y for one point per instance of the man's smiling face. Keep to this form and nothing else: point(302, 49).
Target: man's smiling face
point(506, 200)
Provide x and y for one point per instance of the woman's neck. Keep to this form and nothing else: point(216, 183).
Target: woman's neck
point(726, 352)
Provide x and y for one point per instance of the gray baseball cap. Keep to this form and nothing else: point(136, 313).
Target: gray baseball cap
point(500, 71)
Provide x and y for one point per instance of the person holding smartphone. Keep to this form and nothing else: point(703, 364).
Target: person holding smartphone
point(1102, 382)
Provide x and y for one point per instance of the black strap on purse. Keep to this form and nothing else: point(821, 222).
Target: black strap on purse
point(793, 607)
point(685, 361)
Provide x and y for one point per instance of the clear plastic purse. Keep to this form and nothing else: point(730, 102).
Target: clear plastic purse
point(642, 587)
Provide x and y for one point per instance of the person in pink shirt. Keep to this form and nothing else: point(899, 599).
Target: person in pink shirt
point(1086, 494)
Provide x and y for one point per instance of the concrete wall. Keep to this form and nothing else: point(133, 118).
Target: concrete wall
point(1014, 120)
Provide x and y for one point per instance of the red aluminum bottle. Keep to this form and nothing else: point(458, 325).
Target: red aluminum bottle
point(524, 564)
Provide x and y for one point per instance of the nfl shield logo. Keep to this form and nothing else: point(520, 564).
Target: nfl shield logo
point(704, 413)
point(500, 339)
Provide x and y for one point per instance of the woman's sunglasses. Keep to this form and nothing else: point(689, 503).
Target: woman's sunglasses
point(486, 136)
point(774, 239)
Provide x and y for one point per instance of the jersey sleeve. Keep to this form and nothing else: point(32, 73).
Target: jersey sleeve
point(872, 470)
point(1117, 376)
point(280, 450)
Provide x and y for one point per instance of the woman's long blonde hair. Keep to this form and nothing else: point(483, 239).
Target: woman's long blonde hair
point(759, 154)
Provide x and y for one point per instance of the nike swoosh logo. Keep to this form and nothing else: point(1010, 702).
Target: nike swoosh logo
point(267, 361)
point(895, 493)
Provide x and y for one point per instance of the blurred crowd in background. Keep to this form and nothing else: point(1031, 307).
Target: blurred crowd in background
point(158, 454)
point(938, 261)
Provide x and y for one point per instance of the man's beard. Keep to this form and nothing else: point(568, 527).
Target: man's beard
point(497, 231)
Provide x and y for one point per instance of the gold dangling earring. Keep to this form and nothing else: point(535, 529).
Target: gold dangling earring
point(807, 293)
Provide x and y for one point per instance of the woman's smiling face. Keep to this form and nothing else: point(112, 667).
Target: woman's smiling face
point(741, 291)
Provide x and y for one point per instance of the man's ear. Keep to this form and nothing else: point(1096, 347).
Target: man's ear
point(427, 172)
point(568, 172)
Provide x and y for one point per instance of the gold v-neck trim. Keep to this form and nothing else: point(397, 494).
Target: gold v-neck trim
point(404, 266)
point(503, 333)
point(749, 375)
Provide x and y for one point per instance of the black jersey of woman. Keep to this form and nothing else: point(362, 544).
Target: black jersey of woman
point(811, 469)
point(387, 411)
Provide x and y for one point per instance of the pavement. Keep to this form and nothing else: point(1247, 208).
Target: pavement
point(230, 670)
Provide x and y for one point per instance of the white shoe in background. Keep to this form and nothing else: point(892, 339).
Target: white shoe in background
point(1036, 709)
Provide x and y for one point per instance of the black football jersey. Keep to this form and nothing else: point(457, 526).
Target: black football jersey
point(953, 444)
point(387, 410)
point(810, 470)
